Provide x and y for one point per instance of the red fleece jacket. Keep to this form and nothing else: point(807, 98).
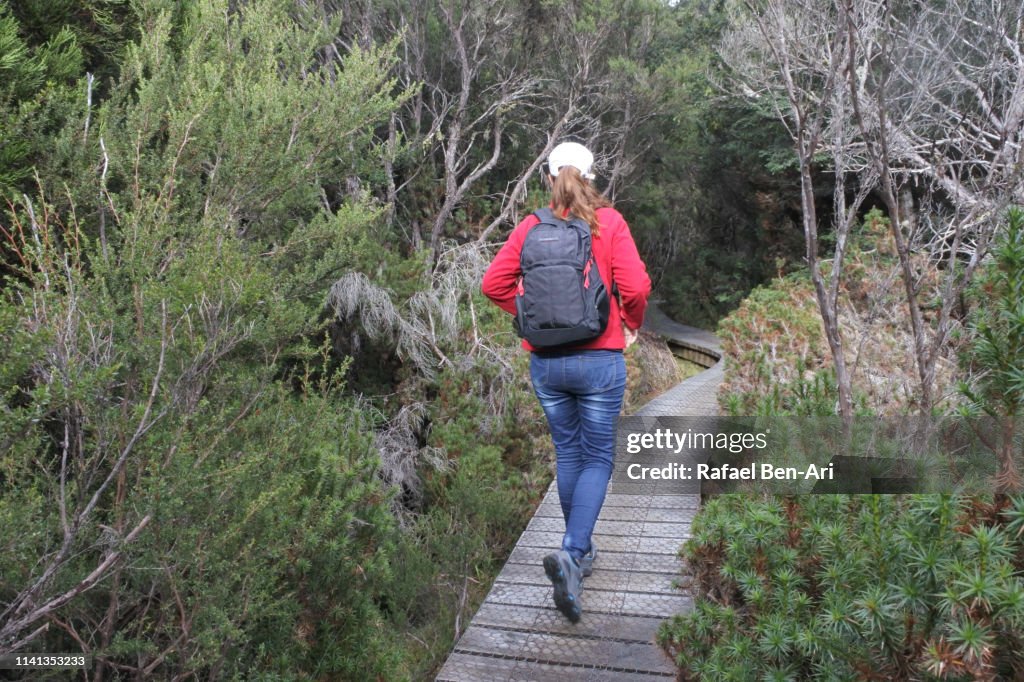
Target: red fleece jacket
point(614, 252)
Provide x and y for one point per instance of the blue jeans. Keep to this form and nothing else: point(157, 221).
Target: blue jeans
point(581, 393)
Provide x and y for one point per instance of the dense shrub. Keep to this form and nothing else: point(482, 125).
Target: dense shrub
point(994, 353)
point(853, 587)
point(772, 340)
point(867, 587)
point(777, 357)
point(186, 489)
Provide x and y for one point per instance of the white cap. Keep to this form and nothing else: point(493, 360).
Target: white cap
point(571, 154)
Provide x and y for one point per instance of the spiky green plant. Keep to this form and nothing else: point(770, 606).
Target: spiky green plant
point(853, 587)
point(995, 353)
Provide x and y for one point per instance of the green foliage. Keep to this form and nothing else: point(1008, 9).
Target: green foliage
point(27, 69)
point(712, 282)
point(859, 587)
point(995, 352)
point(710, 210)
point(98, 29)
point(291, 497)
point(45, 47)
point(231, 470)
point(775, 355)
point(996, 327)
point(470, 512)
point(164, 412)
point(851, 587)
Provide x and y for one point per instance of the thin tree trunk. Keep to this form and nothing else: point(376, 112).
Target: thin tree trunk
point(826, 303)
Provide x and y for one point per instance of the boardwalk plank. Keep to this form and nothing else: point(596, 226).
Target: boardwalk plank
point(602, 579)
point(571, 650)
point(676, 514)
point(634, 501)
point(603, 601)
point(655, 563)
point(611, 543)
point(539, 596)
point(461, 667)
point(546, 619)
point(656, 529)
point(529, 671)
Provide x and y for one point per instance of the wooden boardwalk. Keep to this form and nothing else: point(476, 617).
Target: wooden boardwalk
point(517, 634)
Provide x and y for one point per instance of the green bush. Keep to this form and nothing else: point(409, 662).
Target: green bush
point(776, 358)
point(994, 354)
point(853, 587)
point(184, 488)
point(862, 587)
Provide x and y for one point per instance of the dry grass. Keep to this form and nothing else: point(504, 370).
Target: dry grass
point(651, 368)
point(777, 333)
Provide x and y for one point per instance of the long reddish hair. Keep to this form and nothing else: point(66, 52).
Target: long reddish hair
point(571, 192)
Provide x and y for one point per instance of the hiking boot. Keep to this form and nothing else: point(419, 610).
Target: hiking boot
point(564, 574)
point(587, 562)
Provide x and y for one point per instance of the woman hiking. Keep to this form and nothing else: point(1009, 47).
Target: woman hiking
point(580, 384)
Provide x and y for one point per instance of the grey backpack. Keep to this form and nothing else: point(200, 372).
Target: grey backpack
point(561, 299)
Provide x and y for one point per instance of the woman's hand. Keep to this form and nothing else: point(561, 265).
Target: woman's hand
point(630, 335)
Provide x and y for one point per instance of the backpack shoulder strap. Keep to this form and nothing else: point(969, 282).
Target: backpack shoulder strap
point(546, 215)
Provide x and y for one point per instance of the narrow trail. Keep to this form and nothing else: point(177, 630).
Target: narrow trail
point(517, 634)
